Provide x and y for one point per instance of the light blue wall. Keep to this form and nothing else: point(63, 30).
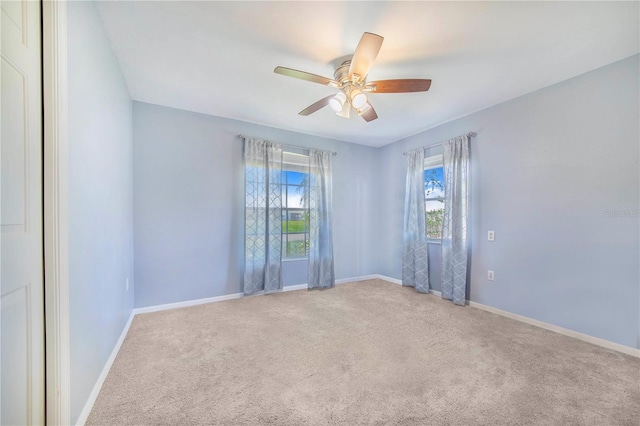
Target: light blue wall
point(545, 169)
point(189, 198)
point(100, 200)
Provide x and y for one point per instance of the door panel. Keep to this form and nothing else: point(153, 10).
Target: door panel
point(15, 357)
point(21, 250)
point(14, 15)
point(14, 144)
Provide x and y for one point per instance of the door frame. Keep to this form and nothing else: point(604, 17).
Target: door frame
point(56, 211)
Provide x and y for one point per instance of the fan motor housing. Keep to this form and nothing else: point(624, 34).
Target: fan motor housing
point(342, 73)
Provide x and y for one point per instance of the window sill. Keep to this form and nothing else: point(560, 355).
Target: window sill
point(295, 259)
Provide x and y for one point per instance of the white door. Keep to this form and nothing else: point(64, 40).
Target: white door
point(21, 245)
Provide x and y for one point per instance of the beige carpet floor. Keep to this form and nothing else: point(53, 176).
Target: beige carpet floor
point(362, 353)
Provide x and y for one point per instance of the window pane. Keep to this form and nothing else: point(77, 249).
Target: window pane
point(434, 183)
point(434, 218)
point(296, 196)
point(296, 245)
point(295, 178)
point(293, 220)
point(296, 220)
point(434, 205)
point(294, 207)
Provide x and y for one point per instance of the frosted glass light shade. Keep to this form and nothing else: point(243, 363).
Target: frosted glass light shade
point(336, 103)
point(344, 113)
point(358, 99)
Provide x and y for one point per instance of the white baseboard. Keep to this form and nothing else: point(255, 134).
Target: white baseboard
point(295, 287)
point(186, 303)
point(340, 281)
point(391, 280)
point(84, 414)
point(356, 279)
point(547, 326)
point(560, 330)
point(397, 281)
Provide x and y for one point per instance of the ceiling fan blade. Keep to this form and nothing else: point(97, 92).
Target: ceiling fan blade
point(398, 86)
point(365, 54)
point(303, 75)
point(368, 113)
point(316, 106)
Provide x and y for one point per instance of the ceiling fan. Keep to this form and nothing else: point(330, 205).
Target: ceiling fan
point(351, 80)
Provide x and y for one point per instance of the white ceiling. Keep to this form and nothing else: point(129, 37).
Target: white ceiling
point(218, 58)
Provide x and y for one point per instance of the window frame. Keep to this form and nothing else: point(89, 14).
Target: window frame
point(285, 185)
point(433, 162)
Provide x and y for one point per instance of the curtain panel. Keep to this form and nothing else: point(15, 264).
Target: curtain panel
point(321, 270)
point(415, 262)
point(263, 216)
point(455, 225)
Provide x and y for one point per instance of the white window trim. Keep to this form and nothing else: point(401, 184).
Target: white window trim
point(433, 162)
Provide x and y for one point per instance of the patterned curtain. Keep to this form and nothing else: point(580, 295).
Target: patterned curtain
point(263, 216)
point(321, 272)
point(415, 261)
point(454, 230)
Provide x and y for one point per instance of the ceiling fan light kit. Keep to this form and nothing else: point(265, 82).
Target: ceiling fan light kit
point(351, 79)
point(337, 102)
point(358, 99)
point(344, 112)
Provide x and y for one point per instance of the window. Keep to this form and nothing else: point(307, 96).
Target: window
point(295, 205)
point(434, 196)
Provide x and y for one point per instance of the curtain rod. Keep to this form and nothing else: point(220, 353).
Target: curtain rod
point(288, 146)
point(470, 134)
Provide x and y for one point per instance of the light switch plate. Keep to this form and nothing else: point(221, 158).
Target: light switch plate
point(491, 235)
point(490, 275)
